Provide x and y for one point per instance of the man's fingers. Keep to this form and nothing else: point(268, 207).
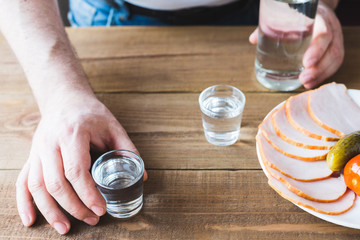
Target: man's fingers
point(120, 140)
point(322, 38)
point(145, 175)
point(61, 190)
point(45, 203)
point(254, 36)
point(327, 66)
point(76, 160)
point(24, 199)
point(333, 57)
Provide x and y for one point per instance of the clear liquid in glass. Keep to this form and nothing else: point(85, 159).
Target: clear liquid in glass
point(222, 119)
point(285, 32)
point(121, 186)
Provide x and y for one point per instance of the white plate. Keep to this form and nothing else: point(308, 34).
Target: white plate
point(350, 218)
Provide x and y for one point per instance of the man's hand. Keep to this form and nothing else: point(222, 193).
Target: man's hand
point(73, 121)
point(57, 170)
point(326, 51)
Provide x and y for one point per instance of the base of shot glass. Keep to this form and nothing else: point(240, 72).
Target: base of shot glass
point(124, 210)
point(222, 138)
point(275, 80)
point(118, 175)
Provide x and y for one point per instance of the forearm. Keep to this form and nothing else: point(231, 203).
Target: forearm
point(36, 34)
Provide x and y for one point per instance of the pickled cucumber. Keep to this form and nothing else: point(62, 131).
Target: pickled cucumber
point(345, 149)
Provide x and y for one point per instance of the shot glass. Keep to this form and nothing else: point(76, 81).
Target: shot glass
point(284, 34)
point(118, 175)
point(222, 107)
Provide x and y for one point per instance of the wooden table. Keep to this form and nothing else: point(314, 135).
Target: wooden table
point(150, 78)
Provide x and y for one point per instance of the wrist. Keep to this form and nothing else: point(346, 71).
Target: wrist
point(54, 91)
point(66, 100)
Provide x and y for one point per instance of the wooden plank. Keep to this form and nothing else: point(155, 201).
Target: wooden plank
point(216, 192)
point(158, 59)
point(188, 205)
point(166, 128)
point(184, 58)
point(176, 73)
point(130, 41)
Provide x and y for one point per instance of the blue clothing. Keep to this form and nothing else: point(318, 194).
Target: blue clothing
point(85, 13)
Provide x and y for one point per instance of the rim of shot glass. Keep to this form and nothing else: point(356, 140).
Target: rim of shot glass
point(101, 158)
point(202, 97)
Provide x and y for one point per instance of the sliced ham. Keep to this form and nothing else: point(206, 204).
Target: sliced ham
point(325, 190)
point(290, 167)
point(298, 117)
point(291, 135)
point(286, 148)
point(332, 108)
point(340, 206)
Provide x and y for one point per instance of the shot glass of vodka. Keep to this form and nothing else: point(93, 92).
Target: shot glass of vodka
point(222, 109)
point(118, 175)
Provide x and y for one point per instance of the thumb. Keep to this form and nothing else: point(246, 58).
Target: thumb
point(254, 36)
point(121, 140)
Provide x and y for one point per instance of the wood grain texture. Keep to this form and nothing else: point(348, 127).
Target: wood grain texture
point(220, 205)
point(176, 59)
point(166, 128)
point(186, 59)
point(150, 78)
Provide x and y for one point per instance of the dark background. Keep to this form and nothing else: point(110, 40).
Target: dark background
point(347, 11)
point(64, 8)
